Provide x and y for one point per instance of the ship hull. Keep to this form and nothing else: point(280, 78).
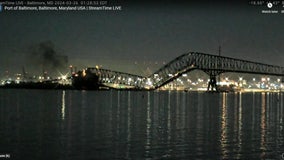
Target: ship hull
point(85, 80)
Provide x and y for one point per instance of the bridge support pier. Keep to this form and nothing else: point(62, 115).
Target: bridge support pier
point(212, 84)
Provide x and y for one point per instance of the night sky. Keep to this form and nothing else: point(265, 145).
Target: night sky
point(141, 35)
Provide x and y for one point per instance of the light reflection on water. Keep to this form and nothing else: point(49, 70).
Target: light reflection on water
point(224, 124)
point(63, 105)
point(141, 125)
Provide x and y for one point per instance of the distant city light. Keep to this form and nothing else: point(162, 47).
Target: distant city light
point(84, 73)
point(64, 77)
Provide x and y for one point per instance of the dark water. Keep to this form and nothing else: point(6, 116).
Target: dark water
point(36, 124)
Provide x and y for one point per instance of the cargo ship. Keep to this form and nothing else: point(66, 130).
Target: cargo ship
point(85, 80)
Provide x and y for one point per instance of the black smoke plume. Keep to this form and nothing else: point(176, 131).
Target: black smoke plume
point(44, 56)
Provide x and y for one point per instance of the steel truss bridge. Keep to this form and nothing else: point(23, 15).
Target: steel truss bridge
point(213, 65)
point(107, 76)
